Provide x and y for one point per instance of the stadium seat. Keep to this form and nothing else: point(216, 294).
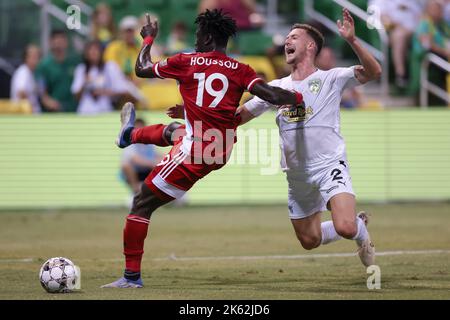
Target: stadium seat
point(161, 94)
point(11, 107)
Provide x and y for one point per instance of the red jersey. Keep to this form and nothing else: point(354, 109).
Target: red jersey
point(211, 85)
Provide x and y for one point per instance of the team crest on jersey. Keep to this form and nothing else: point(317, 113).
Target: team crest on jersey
point(315, 85)
point(163, 63)
point(298, 113)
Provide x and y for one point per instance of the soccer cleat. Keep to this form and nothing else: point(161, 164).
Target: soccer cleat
point(124, 283)
point(127, 118)
point(366, 249)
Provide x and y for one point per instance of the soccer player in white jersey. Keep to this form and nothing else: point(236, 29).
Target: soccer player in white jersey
point(313, 149)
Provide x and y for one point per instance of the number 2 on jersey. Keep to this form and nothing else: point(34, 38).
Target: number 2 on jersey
point(207, 84)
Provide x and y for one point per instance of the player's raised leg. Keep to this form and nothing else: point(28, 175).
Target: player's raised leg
point(351, 226)
point(159, 134)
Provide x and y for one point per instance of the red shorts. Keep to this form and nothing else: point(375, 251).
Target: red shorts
point(177, 173)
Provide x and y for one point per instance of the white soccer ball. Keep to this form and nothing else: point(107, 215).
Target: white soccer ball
point(58, 275)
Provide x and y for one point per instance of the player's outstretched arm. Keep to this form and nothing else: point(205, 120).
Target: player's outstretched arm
point(144, 64)
point(244, 115)
point(370, 69)
point(276, 95)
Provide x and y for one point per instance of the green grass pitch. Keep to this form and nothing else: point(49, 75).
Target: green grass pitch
point(198, 253)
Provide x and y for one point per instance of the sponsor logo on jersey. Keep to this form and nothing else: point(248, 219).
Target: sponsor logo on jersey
point(297, 113)
point(331, 189)
point(200, 61)
point(315, 85)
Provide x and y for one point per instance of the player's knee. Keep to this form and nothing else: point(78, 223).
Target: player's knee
point(346, 229)
point(309, 242)
point(173, 132)
point(145, 202)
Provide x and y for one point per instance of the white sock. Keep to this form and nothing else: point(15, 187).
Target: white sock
point(362, 233)
point(329, 234)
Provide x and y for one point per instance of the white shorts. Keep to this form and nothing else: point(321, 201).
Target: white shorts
point(309, 192)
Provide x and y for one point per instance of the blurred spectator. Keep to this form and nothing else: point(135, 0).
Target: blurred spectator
point(124, 53)
point(125, 50)
point(96, 83)
point(103, 28)
point(243, 11)
point(447, 13)
point(55, 75)
point(138, 161)
point(177, 39)
point(430, 36)
point(23, 82)
point(400, 18)
point(351, 98)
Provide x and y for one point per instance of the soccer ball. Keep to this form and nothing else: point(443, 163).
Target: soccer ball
point(58, 275)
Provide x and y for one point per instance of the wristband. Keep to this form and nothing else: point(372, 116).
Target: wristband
point(298, 97)
point(148, 40)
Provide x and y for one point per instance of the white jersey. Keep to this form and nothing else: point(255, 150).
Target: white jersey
point(310, 133)
point(23, 81)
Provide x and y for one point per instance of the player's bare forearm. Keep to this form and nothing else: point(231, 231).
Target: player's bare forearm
point(144, 64)
point(371, 69)
point(244, 115)
point(274, 95)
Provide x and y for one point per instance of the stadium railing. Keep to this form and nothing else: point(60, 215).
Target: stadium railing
point(426, 85)
point(381, 54)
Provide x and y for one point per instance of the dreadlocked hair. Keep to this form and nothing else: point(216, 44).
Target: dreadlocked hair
point(217, 24)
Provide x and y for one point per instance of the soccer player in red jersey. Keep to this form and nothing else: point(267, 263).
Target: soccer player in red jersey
point(211, 85)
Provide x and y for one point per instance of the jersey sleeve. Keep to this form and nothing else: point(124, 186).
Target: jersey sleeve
point(346, 78)
point(249, 78)
point(174, 67)
point(258, 106)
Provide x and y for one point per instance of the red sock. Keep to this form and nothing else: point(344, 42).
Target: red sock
point(150, 135)
point(134, 235)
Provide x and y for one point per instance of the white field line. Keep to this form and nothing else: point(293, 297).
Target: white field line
point(173, 257)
